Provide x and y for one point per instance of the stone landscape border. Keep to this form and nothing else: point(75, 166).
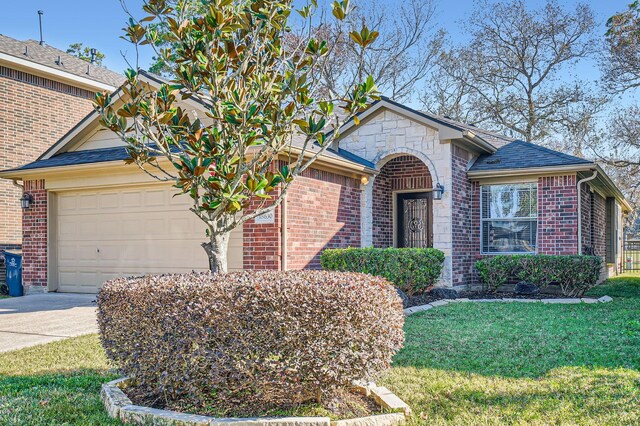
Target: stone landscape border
point(119, 406)
point(565, 301)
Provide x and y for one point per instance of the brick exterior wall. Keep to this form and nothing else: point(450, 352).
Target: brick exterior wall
point(262, 242)
point(557, 215)
point(34, 113)
point(323, 211)
point(593, 211)
point(401, 173)
point(557, 220)
point(34, 235)
point(464, 236)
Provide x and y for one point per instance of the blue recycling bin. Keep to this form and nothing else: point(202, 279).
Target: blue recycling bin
point(13, 261)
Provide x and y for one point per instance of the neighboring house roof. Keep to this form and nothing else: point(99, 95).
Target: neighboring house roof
point(525, 155)
point(31, 51)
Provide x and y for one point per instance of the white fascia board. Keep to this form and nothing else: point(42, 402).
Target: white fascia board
point(52, 73)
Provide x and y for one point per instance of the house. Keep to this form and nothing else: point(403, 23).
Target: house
point(400, 178)
point(45, 92)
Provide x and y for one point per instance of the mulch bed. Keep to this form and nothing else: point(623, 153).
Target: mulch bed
point(423, 299)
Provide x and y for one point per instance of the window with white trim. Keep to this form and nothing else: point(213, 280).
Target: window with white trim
point(509, 218)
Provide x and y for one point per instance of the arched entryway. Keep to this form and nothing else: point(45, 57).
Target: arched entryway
point(402, 208)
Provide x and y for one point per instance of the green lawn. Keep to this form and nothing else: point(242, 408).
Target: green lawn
point(463, 364)
point(54, 384)
point(516, 363)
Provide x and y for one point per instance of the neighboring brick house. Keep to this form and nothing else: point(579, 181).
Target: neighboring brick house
point(401, 178)
point(45, 92)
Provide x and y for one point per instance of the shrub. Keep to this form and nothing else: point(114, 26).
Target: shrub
point(246, 342)
point(574, 274)
point(540, 270)
point(413, 270)
point(578, 274)
point(496, 271)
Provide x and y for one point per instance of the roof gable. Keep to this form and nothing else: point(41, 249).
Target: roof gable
point(86, 134)
point(447, 130)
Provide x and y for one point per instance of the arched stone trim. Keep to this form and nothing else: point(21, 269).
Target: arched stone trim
point(385, 156)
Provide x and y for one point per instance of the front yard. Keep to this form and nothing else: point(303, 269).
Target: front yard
point(494, 363)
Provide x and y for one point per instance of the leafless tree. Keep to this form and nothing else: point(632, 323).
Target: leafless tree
point(511, 77)
point(621, 61)
point(402, 56)
point(619, 151)
point(620, 64)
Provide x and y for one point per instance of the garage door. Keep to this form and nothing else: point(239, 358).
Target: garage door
point(103, 234)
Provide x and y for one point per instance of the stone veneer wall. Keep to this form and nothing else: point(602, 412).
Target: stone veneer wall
point(402, 173)
point(34, 239)
point(388, 135)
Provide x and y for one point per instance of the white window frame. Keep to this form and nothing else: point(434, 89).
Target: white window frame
point(483, 220)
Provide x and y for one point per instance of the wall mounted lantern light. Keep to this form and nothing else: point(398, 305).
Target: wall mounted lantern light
point(438, 191)
point(25, 201)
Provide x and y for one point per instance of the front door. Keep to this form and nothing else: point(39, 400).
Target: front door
point(413, 215)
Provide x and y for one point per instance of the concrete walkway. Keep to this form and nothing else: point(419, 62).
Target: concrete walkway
point(43, 318)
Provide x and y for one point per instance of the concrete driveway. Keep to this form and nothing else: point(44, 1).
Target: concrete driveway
point(42, 318)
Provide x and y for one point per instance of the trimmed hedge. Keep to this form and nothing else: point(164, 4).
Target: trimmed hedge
point(413, 270)
point(496, 271)
point(574, 274)
point(243, 343)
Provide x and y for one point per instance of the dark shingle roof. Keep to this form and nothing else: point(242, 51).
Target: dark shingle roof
point(524, 155)
point(48, 56)
point(119, 153)
point(79, 157)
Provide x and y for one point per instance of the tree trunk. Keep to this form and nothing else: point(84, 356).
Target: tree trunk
point(216, 250)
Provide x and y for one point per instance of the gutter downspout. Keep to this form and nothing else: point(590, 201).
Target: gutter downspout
point(579, 184)
point(15, 183)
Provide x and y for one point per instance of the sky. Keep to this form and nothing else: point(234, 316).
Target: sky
point(98, 23)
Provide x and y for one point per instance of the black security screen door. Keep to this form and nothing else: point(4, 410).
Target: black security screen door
point(414, 219)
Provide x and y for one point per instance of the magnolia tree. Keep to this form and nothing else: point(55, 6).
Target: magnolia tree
point(263, 123)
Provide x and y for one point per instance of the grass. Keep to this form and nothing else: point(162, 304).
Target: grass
point(512, 363)
point(57, 383)
point(463, 364)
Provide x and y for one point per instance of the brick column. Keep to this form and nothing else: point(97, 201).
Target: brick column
point(262, 242)
point(557, 215)
point(34, 239)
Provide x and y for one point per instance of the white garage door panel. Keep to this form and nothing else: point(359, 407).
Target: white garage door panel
point(134, 231)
